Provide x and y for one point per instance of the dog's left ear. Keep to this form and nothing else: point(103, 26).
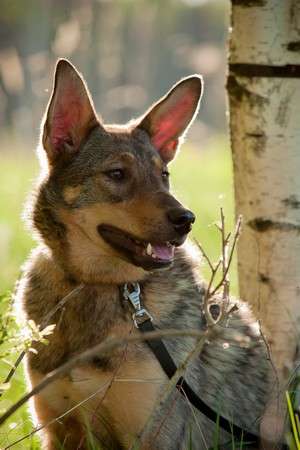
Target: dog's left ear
point(70, 114)
point(169, 119)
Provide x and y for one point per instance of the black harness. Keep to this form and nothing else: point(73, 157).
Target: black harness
point(143, 321)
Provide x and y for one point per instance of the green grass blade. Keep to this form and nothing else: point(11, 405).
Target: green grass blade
point(292, 419)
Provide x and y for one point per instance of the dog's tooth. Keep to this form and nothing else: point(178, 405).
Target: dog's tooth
point(149, 249)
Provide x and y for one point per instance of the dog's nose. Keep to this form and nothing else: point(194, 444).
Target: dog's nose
point(181, 219)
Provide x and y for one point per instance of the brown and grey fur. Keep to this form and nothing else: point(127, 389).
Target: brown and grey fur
point(72, 199)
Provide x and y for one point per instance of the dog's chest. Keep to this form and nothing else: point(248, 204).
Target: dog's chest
point(115, 396)
point(120, 387)
point(127, 394)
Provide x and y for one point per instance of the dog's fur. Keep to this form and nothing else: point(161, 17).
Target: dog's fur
point(81, 190)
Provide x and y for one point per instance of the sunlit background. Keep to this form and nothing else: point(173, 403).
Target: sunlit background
point(130, 52)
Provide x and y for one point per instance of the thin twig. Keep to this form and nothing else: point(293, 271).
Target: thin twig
point(226, 282)
point(13, 369)
point(235, 239)
point(204, 254)
point(224, 262)
point(107, 345)
point(214, 270)
point(60, 305)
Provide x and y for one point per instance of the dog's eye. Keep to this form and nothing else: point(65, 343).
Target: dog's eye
point(116, 174)
point(165, 175)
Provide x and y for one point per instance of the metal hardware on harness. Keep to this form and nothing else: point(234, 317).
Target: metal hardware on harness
point(133, 295)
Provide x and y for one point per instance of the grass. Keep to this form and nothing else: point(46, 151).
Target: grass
point(201, 180)
point(17, 172)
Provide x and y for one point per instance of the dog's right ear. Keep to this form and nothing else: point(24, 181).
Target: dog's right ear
point(70, 114)
point(167, 121)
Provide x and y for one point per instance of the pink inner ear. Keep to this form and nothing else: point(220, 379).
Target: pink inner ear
point(167, 152)
point(65, 119)
point(172, 123)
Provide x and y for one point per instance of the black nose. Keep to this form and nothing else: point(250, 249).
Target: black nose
point(181, 219)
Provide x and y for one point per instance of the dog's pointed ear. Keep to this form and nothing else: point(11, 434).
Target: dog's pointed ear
point(70, 113)
point(168, 120)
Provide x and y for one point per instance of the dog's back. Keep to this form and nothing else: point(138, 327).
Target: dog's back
point(106, 217)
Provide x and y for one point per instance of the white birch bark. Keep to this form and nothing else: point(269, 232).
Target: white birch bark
point(265, 135)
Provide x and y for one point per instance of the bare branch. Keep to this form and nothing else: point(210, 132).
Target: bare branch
point(204, 254)
point(224, 262)
point(14, 368)
point(235, 239)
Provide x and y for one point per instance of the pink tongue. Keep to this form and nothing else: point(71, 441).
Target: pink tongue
point(163, 252)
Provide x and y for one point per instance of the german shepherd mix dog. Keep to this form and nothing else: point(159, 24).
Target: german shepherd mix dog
point(105, 217)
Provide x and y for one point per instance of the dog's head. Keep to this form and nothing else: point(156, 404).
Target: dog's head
point(104, 206)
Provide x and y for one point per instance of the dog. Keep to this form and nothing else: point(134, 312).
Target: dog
point(105, 217)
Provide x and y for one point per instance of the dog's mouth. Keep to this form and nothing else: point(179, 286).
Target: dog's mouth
point(148, 255)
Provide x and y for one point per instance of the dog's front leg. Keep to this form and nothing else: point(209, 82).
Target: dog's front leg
point(62, 433)
point(58, 428)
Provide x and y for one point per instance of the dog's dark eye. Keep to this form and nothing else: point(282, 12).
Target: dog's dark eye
point(165, 175)
point(116, 174)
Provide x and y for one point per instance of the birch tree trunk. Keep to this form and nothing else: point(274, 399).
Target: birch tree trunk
point(264, 101)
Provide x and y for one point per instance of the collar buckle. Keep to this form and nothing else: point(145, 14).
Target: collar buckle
point(132, 293)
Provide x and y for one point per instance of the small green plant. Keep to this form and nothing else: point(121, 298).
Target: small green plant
point(17, 338)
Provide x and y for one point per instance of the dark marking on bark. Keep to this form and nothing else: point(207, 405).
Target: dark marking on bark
point(281, 116)
point(263, 278)
point(215, 311)
point(262, 225)
point(259, 142)
point(293, 46)
point(248, 3)
point(239, 92)
point(294, 14)
point(265, 71)
point(255, 135)
point(291, 202)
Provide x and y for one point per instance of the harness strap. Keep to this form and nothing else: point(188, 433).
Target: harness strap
point(169, 367)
